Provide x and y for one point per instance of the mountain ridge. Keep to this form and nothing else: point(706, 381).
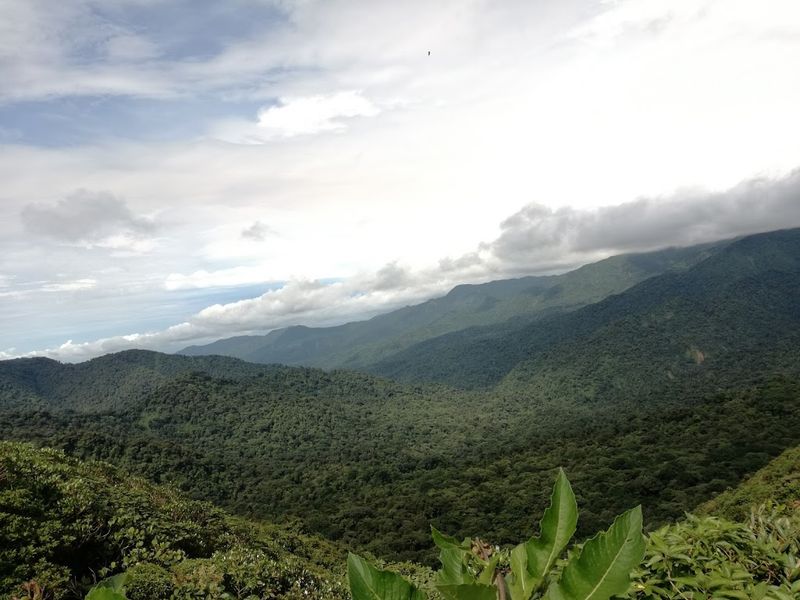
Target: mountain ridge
point(357, 344)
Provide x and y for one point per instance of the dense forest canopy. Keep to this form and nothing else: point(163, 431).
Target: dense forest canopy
point(659, 395)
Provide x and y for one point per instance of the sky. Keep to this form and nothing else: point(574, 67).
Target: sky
point(178, 171)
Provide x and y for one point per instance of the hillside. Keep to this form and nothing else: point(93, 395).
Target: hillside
point(779, 481)
point(66, 523)
point(734, 312)
point(372, 462)
point(359, 344)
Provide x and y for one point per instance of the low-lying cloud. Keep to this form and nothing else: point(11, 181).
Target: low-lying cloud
point(534, 240)
point(538, 234)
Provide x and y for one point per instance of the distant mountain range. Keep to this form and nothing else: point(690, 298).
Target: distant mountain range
point(360, 345)
point(664, 394)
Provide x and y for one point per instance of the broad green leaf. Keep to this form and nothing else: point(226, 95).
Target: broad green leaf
point(111, 588)
point(369, 583)
point(521, 583)
point(556, 528)
point(453, 556)
point(445, 541)
point(532, 560)
point(488, 573)
point(453, 571)
point(603, 567)
point(104, 593)
point(468, 591)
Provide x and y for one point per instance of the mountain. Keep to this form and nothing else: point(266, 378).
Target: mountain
point(658, 395)
point(778, 481)
point(731, 310)
point(359, 344)
point(371, 462)
point(65, 523)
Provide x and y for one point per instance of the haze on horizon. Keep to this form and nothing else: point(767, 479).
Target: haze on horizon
point(175, 171)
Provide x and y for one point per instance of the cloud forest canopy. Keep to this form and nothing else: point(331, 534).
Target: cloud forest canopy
point(360, 458)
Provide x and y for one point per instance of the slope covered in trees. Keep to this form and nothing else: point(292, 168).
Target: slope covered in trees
point(660, 395)
point(731, 312)
point(66, 523)
point(372, 462)
point(359, 344)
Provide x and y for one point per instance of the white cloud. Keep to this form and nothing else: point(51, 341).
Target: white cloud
point(572, 105)
point(70, 286)
point(221, 278)
point(536, 239)
point(298, 116)
point(314, 114)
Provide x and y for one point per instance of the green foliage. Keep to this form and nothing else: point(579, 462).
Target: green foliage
point(710, 557)
point(113, 588)
point(148, 580)
point(474, 570)
point(779, 482)
point(360, 344)
point(64, 521)
point(532, 560)
point(603, 567)
point(369, 583)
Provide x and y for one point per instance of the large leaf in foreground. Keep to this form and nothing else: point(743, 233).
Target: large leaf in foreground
point(603, 567)
point(532, 560)
point(468, 591)
point(453, 556)
point(369, 583)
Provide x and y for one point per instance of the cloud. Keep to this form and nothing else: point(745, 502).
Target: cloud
point(538, 234)
point(202, 278)
point(89, 218)
point(70, 286)
point(258, 232)
point(297, 116)
point(534, 240)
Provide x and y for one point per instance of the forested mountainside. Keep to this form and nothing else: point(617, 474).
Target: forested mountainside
point(779, 482)
point(66, 524)
point(372, 462)
point(659, 395)
point(732, 312)
point(360, 344)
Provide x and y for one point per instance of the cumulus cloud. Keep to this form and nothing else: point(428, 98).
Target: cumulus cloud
point(538, 234)
point(89, 218)
point(257, 232)
point(296, 116)
point(534, 240)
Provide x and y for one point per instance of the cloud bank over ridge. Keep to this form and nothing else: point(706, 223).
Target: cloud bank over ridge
point(535, 240)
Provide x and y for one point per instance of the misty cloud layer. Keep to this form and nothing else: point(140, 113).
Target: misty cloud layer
point(535, 240)
point(538, 234)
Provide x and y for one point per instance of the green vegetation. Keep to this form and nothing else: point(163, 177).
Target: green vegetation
point(779, 481)
point(659, 396)
point(372, 463)
point(475, 570)
point(360, 344)
point(65, 523)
